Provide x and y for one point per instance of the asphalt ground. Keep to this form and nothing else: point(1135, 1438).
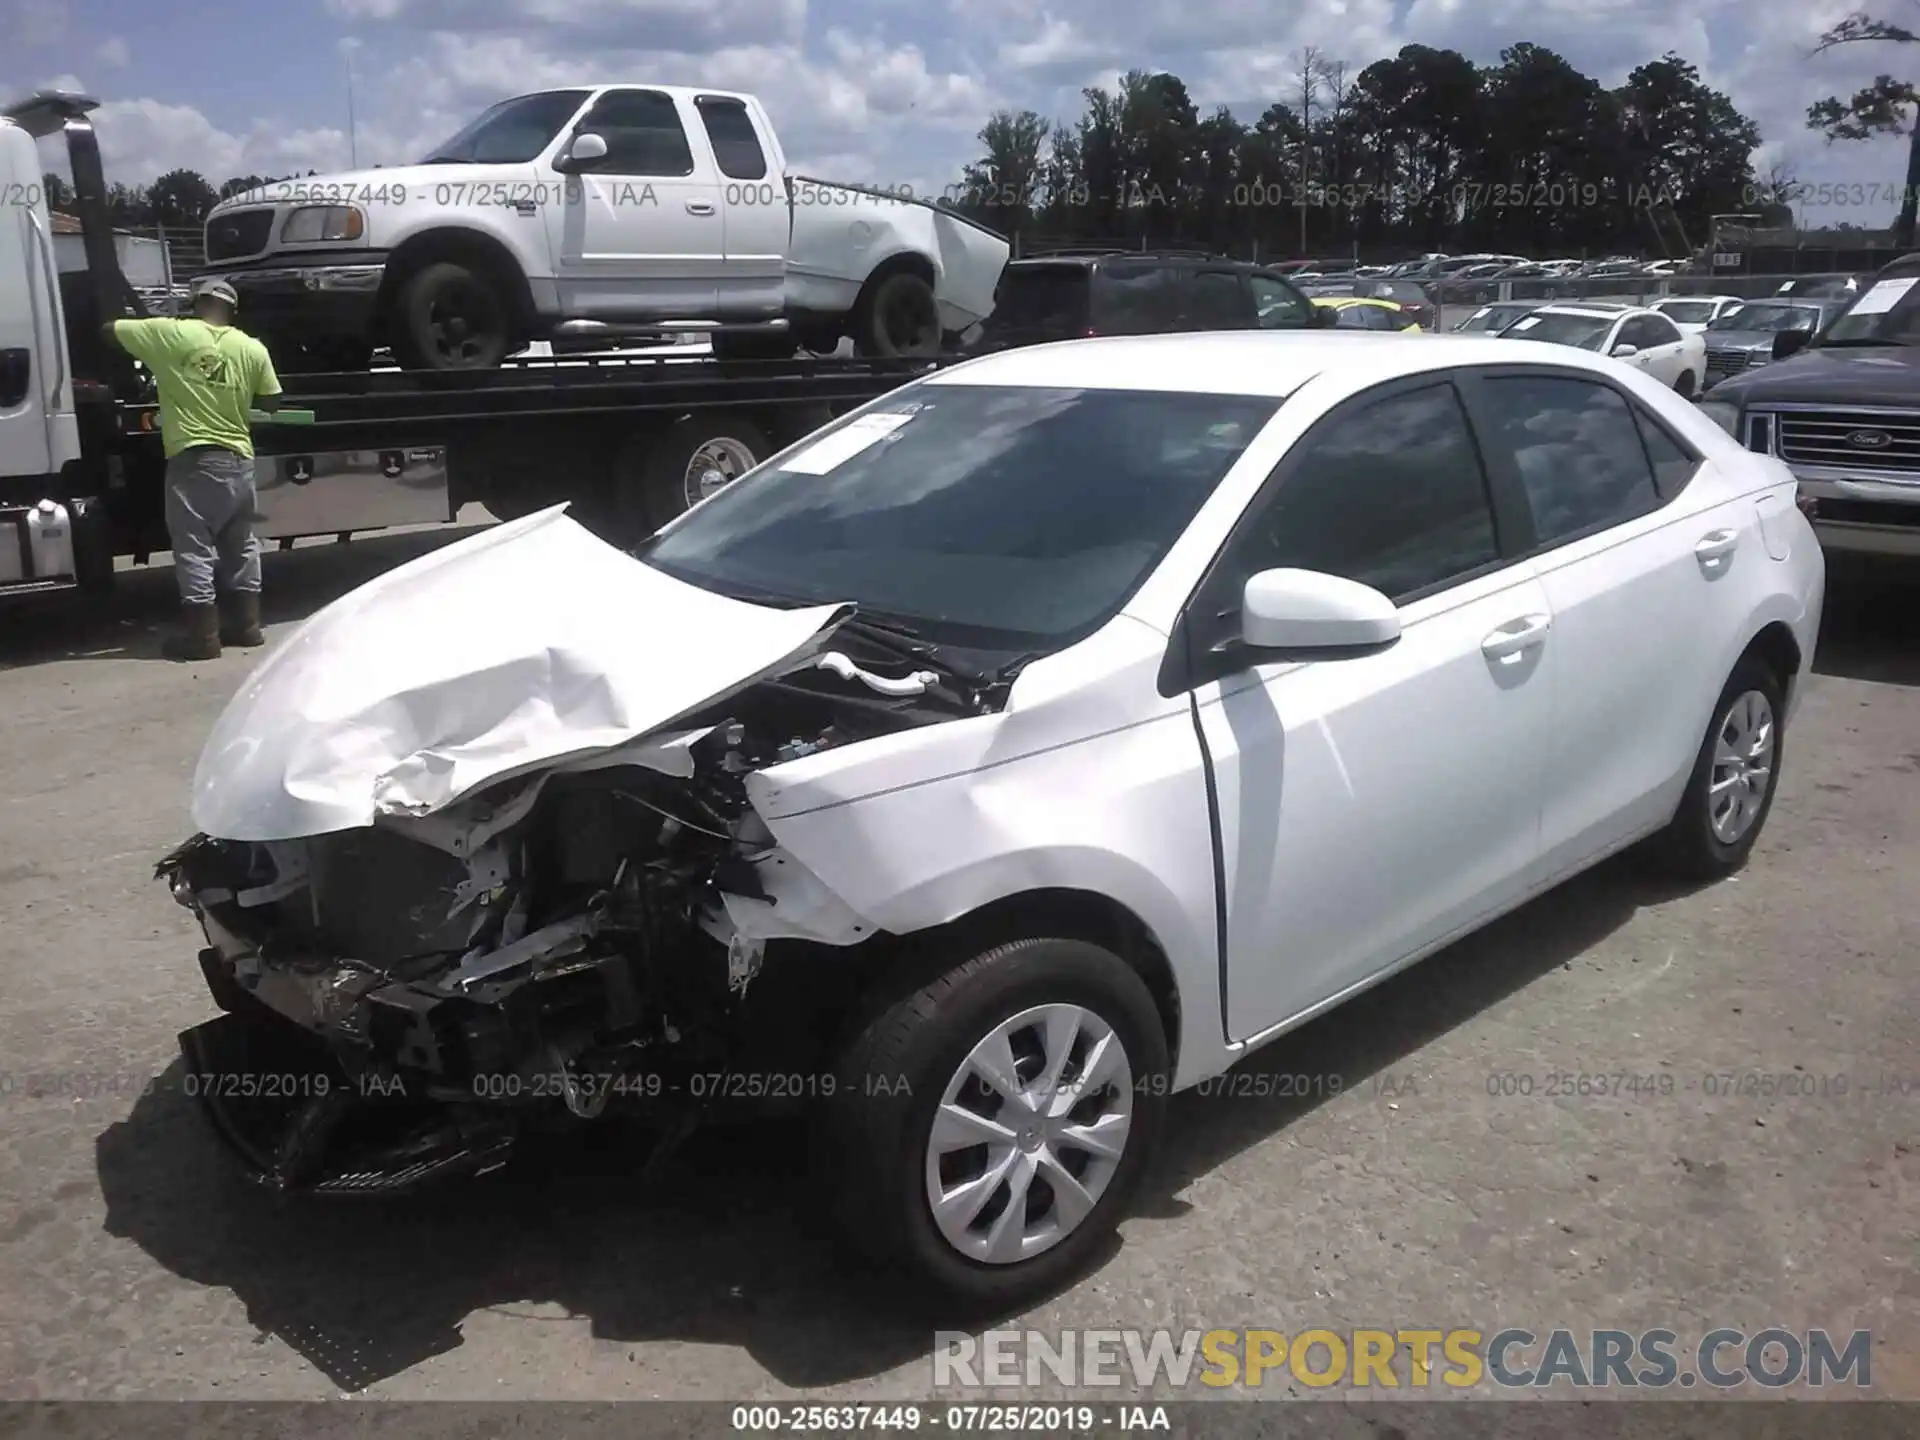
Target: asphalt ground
point(1424, 1178)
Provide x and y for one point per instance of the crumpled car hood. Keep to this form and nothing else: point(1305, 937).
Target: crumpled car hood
point(502, 653)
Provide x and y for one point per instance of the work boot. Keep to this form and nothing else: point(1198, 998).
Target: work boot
point(241, 623)
point(198, 637)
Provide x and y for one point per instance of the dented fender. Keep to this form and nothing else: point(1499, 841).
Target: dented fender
point(920, 828)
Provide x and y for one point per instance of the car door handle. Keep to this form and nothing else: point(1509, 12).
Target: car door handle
point(525, 207)
point(1716, 546)
point(699, 207)
point(1515, 637)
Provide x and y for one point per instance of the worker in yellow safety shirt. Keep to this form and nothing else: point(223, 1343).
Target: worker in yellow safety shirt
point(209, 374)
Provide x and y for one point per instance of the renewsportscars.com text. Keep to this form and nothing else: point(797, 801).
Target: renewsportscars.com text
point(1457, 1358)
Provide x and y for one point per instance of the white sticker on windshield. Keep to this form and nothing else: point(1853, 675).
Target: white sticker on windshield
point(844, 444)
point(1884, 296)
point(1527, 323)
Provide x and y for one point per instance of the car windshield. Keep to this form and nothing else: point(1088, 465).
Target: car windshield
point(1687, 312)
point(982, 516)
point(512, 132)
point(1767, 317)
point(1561, 328)
point(1494, 317)
point(1886, 312)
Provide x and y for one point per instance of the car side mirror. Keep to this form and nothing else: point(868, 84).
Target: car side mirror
point(1311, 615)
point(1623, 350)
point(586, 148)
point(1790, 342)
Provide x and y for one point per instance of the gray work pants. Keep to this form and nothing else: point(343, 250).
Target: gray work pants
point(210, 523)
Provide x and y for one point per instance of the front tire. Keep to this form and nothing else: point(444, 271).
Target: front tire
point(986, 1132)
point(451, 317)
point(1685, 387)
point(1735, 775)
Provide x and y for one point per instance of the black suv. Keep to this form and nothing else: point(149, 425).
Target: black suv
point(1072, 295)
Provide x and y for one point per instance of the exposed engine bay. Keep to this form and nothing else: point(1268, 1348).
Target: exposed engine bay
point(617, 933)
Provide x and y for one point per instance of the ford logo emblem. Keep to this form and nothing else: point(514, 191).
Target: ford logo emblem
point(1869, 439)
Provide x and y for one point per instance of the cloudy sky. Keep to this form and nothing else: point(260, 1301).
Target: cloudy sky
point(885, 91)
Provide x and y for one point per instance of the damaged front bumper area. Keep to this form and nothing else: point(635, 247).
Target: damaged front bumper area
point(406, 1001)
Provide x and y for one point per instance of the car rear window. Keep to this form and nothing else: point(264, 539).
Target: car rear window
point(1041, 295)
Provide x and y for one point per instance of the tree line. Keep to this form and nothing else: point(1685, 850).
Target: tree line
point(179, 198)
point(1423, 151)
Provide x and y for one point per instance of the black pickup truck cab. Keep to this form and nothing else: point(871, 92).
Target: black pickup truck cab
point(1843, 410)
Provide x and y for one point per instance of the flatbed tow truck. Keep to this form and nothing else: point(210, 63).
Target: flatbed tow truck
point(628, 441)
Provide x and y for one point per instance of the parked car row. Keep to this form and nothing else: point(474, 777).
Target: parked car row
point(1734, 334)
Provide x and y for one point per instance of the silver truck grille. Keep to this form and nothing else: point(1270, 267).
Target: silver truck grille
point(1851, 439)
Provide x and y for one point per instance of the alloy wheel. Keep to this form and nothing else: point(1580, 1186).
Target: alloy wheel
point(1743, 750)
point(715, 465)
point(1029, 1133)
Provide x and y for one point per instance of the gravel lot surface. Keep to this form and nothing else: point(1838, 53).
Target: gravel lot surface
point(133, 1264)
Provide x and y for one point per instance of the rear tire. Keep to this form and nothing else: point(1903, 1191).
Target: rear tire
point(899, 318)
point(450, 316)
point(887, 1139)
point(656, 477)
point(1724, 810)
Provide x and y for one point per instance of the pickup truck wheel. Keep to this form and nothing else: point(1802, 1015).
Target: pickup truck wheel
point(899, 318)
point(663, 473)
point(985, 1133)
point(451, 318)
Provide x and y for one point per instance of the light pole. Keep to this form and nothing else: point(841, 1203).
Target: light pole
point(347, 47)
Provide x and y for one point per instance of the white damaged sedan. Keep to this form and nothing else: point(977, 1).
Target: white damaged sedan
point(1008, 756)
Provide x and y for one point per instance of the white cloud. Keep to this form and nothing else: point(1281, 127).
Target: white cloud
point(681, 26)
point(894, 93)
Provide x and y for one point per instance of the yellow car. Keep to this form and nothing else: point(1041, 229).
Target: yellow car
point(1361, 312)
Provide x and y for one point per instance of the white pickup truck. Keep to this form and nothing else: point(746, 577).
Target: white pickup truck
point(598, 212)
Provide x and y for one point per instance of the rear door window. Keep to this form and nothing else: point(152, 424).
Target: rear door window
point(1136, 299)
point(1216, 300)
point(736, 148)
point(1579, 450)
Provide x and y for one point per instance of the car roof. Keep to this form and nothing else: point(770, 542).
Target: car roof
point(1240, 362)
point(1592, 309)
point(1342, 301)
